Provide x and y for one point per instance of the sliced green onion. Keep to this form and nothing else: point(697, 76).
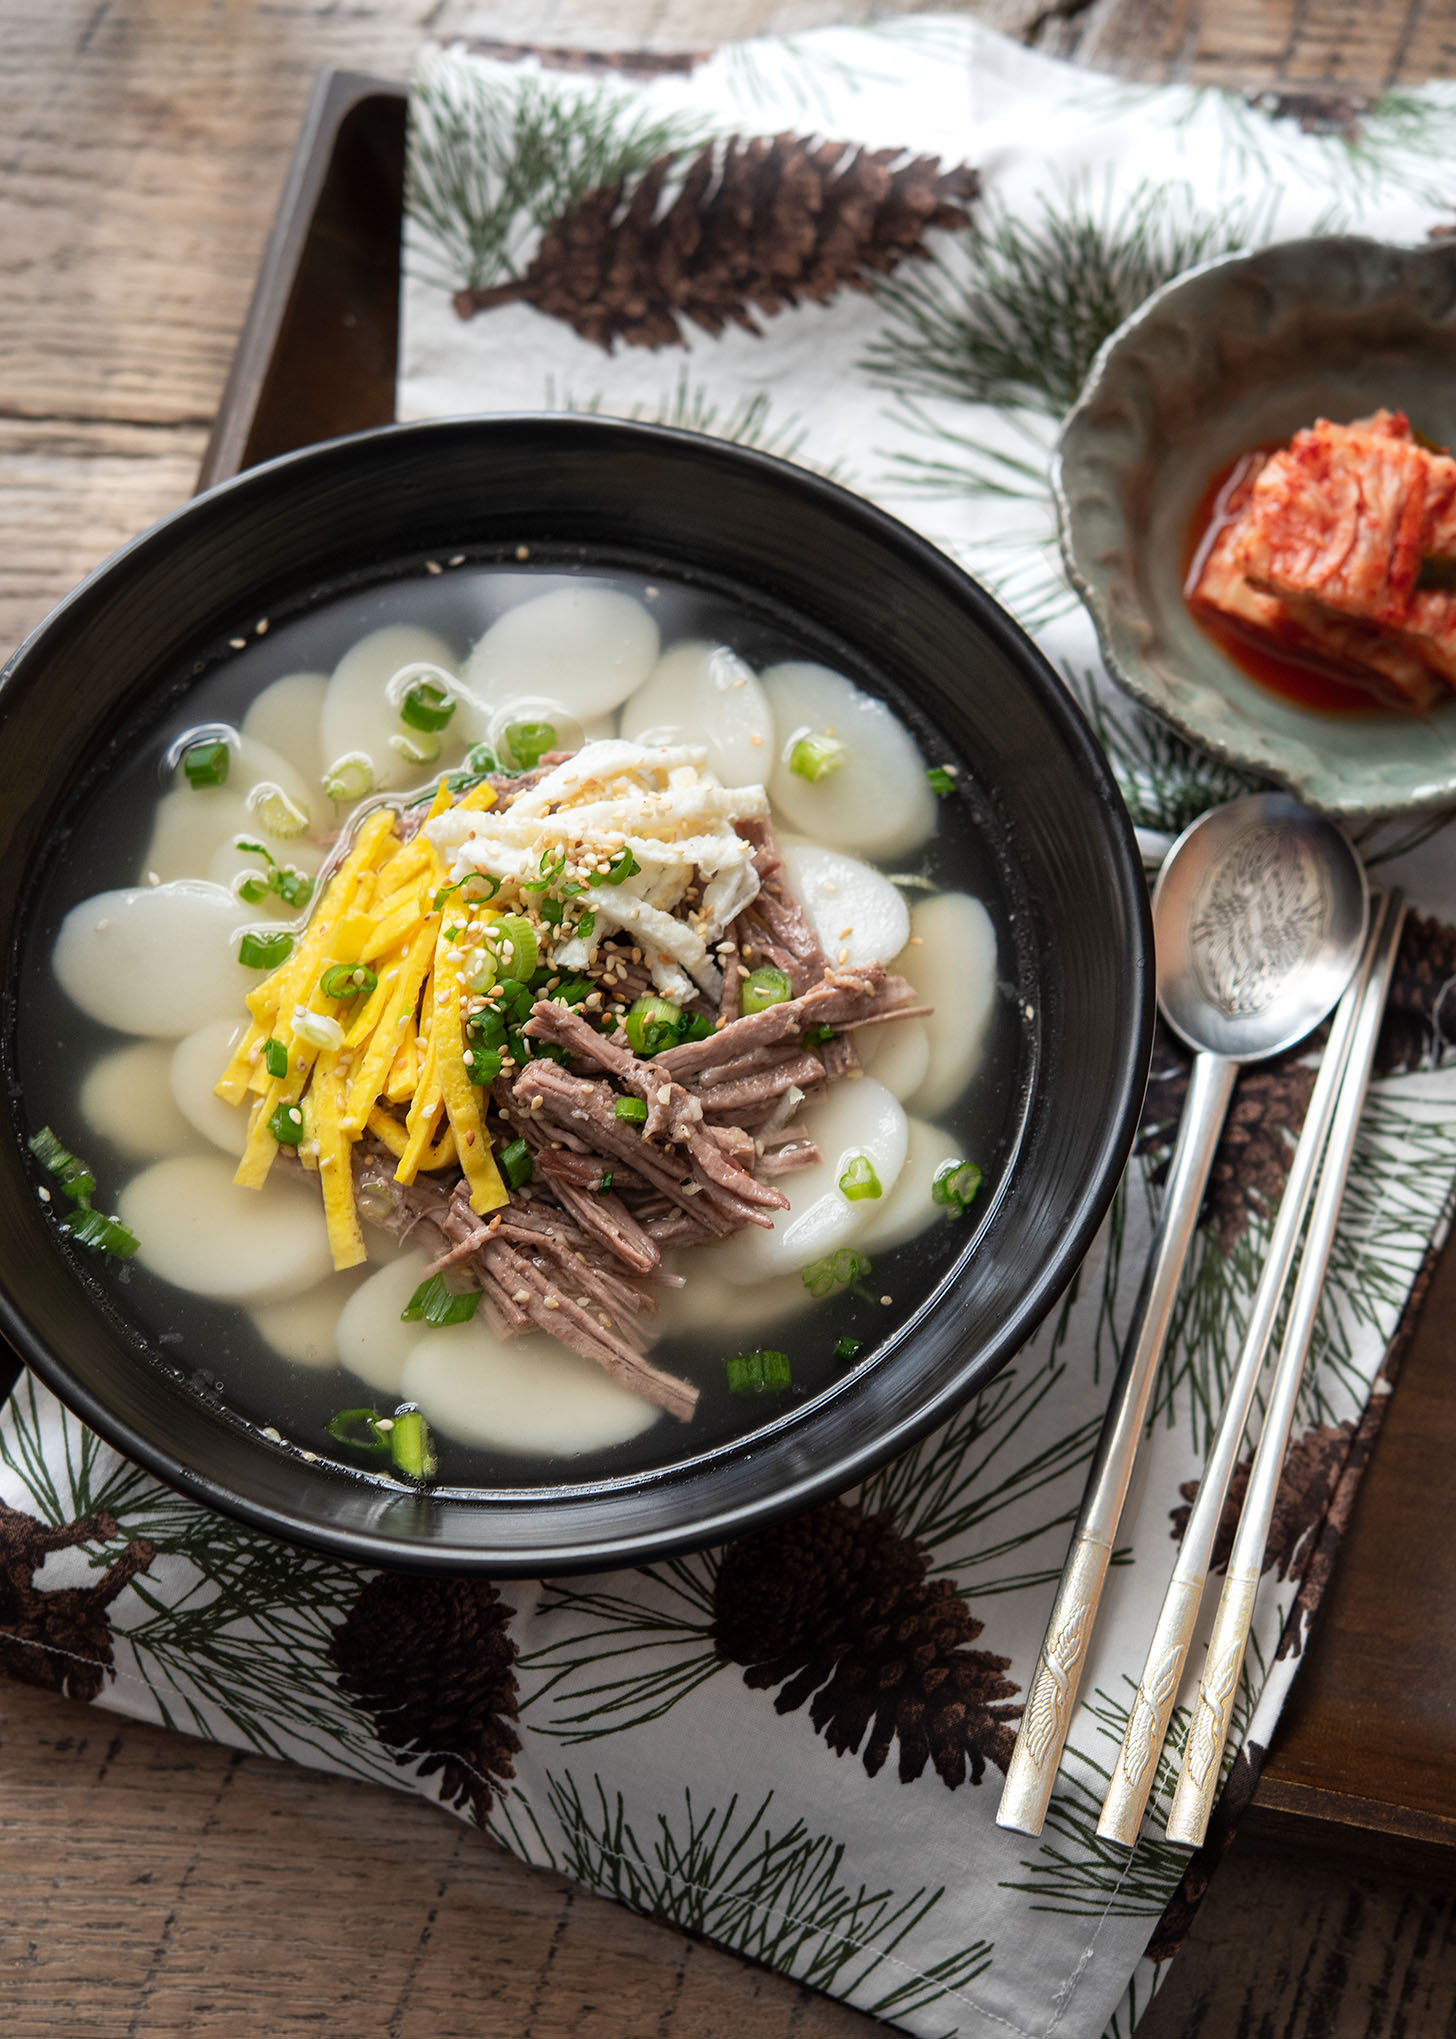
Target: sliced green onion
point(571, 991)
point(631, 1108)
point(815, 757)
point(694, 1026)
point(286, 1125)
point(815, 1037)
point(319, 1029)
point(942, 779)
point(206, 764)
point(844, 1269)
point(476, 888)
point(264, 952)
point(623, 865)
point(275, 1056)
point(848, 1348)
point(411, 1446)
point(244, 842)
point(271, 807)
point(762, 988)
point(609, 1176)
point(85, 1226)
point(482, 1055)
point(426, 707)
point(526, 743)
point(350, 777)
point(586, 926)
point(360, 1430)
point(651, 1025)
point(514, 940)
point(416, 747)
point(955, 1185)
point(252, 888)
point(859, 1180)
point(435, 1303)
point(348, 980)
point(75, 1177)
point(516, 1164)
point(94, 1228)
point(294, 888)
point(552, 912)
point(480, 758)
point(758, 1373)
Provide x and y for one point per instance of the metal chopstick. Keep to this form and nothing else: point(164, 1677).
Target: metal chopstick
point(1218, 1686)
point(1147, 1722)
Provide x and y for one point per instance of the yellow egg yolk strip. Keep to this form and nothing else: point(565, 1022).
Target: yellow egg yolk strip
point(404, 1039)
point(335, 1162)
point(462, 1097)
point(371, 1075)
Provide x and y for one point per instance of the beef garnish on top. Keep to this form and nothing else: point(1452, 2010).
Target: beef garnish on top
point(549, 1029)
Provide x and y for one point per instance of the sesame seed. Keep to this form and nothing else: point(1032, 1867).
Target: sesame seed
point(886, 1300)
point(916, 942)
point(273, 1436)
point(310, 1457)
point(457, 559)
point(44, 1195)
point(238, 643)
point(261, 626)
point(432, 566)
point(521, 1296)
point(552, 1302)
point(523, 552)
point(844, 955)
point(664, 1096)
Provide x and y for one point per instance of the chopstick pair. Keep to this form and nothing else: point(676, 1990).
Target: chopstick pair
point(1208, 1728)
point(1331, 1122)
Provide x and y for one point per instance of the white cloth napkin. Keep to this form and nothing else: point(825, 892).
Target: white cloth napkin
point(776, 1764)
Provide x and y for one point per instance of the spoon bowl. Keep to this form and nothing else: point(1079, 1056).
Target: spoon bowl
point(1259, 915)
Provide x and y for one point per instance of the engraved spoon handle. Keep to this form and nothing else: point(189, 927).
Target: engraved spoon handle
point(1218, 1687)
point(1053, 1691)
point(1152, 1708)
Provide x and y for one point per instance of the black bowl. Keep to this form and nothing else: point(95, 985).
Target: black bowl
point(878, 601)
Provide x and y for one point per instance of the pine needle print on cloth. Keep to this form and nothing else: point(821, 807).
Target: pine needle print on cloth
point(888, 254)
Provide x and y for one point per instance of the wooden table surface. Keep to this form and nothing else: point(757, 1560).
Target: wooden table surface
point(150, 1884)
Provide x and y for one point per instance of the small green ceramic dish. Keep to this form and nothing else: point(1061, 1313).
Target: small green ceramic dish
point(1239, 352)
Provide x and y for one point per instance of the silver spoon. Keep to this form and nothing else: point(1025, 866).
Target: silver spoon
point(1258, 921)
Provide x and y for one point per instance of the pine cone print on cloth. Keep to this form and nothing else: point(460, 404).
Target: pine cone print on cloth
point(433, 1664)
point(754, 226)
point(1420, 1013)
point(838, 1605)
point(59, 1640)
point(1257, 1145)
point(1311, 1473)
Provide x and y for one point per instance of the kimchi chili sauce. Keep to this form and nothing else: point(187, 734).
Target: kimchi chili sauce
point(1304, 679)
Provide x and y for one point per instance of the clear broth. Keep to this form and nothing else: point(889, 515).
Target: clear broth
point(215, 1347)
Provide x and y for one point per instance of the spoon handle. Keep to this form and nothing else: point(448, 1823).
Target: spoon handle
point(1134, 1770)
point(1053, 1691)
point(1218, 1686)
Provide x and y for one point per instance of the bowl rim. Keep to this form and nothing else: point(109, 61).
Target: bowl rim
point(1112, 1145)
point(1258, 758)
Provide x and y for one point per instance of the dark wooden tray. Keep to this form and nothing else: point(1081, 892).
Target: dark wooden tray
point(1364, 1763)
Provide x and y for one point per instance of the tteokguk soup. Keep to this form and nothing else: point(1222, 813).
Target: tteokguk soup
point(516, 1027)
